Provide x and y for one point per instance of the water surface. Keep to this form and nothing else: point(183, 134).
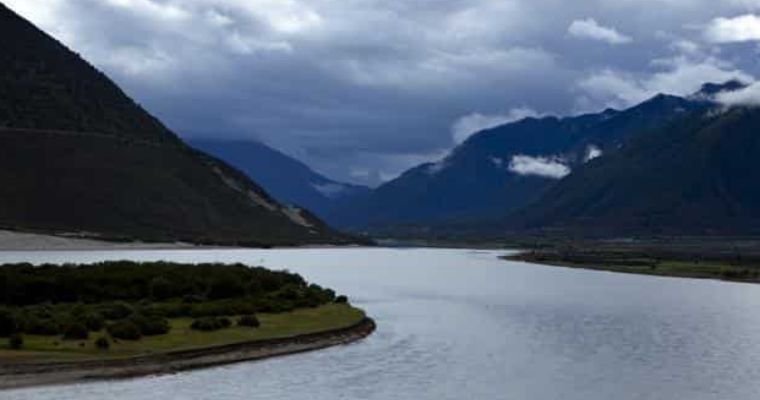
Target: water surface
point(462, 324)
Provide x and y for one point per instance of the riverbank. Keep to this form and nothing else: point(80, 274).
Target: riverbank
point(22, 241)
point(49, 373)
point(659, 262)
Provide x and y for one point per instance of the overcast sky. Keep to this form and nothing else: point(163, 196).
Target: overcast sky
point(363, 89)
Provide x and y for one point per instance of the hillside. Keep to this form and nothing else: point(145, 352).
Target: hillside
point(285, 178)
point(694, 177)
point(480, 180)
point(78, 155)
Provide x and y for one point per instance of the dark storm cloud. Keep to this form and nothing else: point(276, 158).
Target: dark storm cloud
point(362, 89)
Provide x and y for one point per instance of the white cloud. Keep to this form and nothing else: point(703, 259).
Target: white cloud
point(547, 167)
point(743, 28)
point(592, 152)
point(677, 76)
point(590, 29)
point(330, 190)
point(685, 46)
point(749, 96)
point(473, 123)
point(444, 67)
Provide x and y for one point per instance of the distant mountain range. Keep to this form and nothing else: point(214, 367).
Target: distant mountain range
point(502, 170)
point(79, 156)
point(285, 178)
point(696, 176)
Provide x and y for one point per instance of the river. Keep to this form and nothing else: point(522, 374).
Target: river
point(463, 324)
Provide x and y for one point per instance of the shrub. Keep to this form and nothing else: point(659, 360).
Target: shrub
point(8, 323)
point(75, 331)
point(41, 326)
point(150, 326)
point(16, 342)
point(209, 324)
point(117, 310)
point(341, 299)
point(102, 343)
point(249, 321)
point(93, 321)
point(223, 307)
point(192, 298)
point(124, 329)
point(160, 288)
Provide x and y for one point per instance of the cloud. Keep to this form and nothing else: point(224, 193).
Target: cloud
point(749, 96)
point(373, 86)
point(743, 28)
point(466, 126)
point(592, 152)
point(329, 189)
point(546, 167)
point(590, 29)
point(676, 76)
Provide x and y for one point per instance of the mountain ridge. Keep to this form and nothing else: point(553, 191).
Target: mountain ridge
point(78, 155)
point(476, 180)
point(284, 177)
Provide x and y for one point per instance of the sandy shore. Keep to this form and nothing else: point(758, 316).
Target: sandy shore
point(18, 241)
point(37, 374)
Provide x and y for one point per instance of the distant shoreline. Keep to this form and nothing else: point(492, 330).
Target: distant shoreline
point(40, 374)
point(624, 262)
point(23, 241)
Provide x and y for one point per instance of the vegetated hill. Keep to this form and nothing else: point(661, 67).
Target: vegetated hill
point(285, 178)
point(478, 181)
point(696, 176)
point(78, 155)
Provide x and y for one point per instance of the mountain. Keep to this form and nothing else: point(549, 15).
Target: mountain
point(287, 179)
point(696, 176)
point(503, 169)
point(78, 155)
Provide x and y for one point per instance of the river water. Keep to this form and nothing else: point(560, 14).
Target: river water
point(463, 324)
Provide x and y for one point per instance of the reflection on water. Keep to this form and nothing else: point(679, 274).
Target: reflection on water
point(461, 324)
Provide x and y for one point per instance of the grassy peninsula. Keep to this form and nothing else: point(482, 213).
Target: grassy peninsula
point(123, 309)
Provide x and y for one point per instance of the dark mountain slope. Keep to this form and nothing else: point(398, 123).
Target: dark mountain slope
point(697, 176)
point(475, 182)
point(78, 155)
point(284, 177)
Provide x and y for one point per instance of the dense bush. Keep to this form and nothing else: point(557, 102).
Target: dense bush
point(34, 325)
point(116, 310)
point(124, 329)
point(249, 321)
point(93, 321)
point(208, 324)
point(160, 288)
point(136, 299)
point(223, 307)
point(75, 331)
point(102, 343)
point(8, 322)
point(16, 341)
point(150, 326)
point(341, 299)
point(129, 281)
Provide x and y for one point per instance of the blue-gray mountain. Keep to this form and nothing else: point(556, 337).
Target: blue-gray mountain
point(501, 170)
point(696, 176)
point(287, 179)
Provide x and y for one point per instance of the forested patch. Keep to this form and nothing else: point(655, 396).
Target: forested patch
point(128, 300)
